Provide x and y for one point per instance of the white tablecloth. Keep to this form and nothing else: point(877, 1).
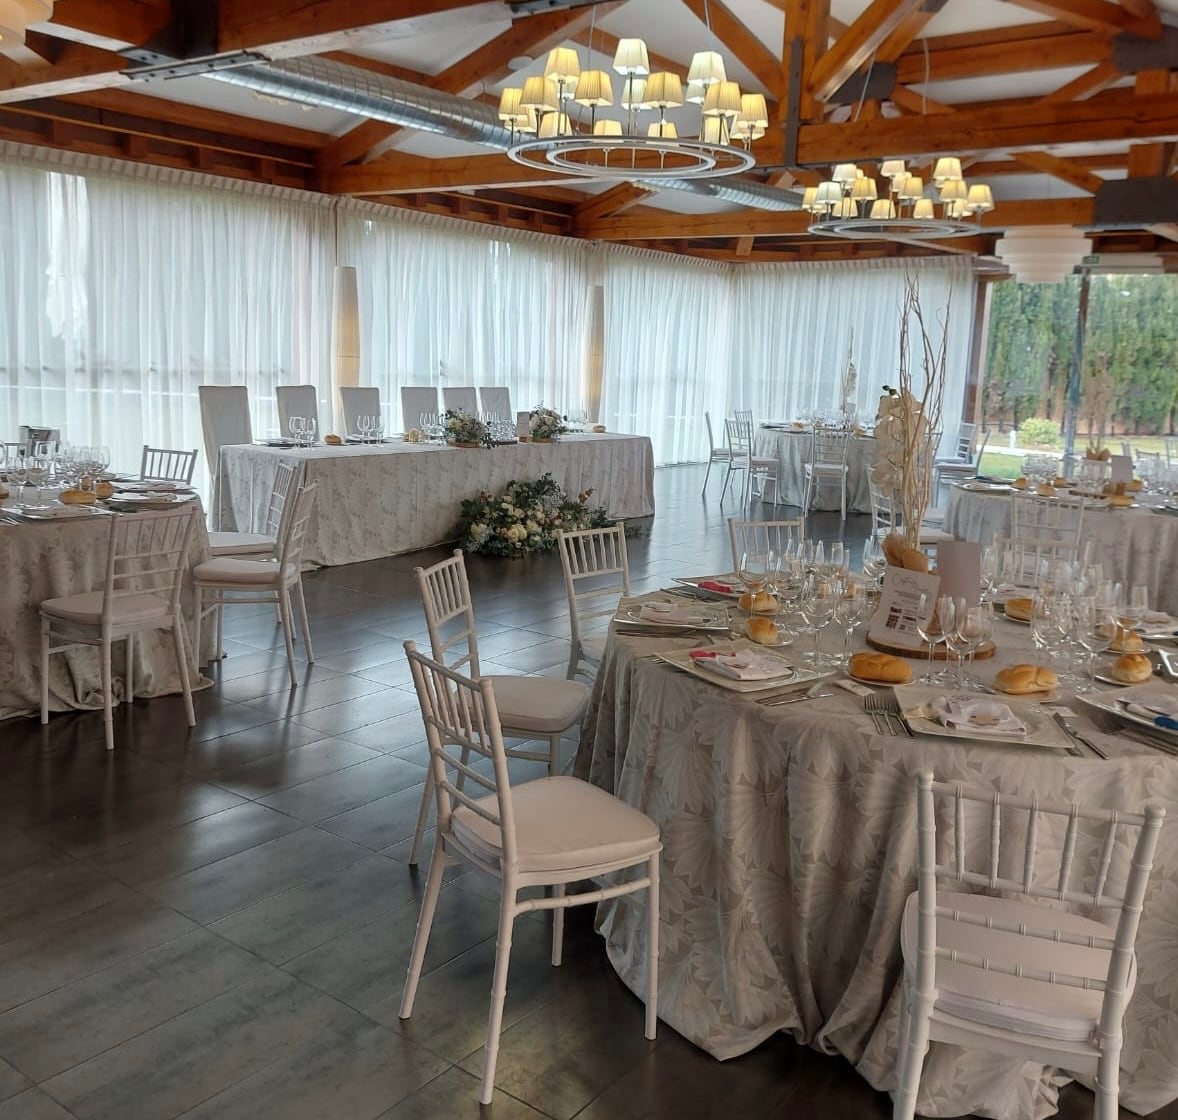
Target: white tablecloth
point(1135, 546)
point(789, 848)
point(398, 497)
point(48, 559)
point(792, 449)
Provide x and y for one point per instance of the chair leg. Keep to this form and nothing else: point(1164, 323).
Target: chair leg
point(198, 600)
point(557, 927)
point(181, 648)
point(727, 479)
point(652, 946)
point(910, 1059)
point(108, 715)
point(287, 631)
point(422, 816)
point(129, 683)
point(304, 624)
point(219, 638)
point(708, 474)
point(554, 754)
point(425, 921)
point(1108, 1085)
point(498, 991)
point(45, 625)
point(570, 673)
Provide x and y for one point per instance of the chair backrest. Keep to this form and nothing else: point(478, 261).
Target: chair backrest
point(288, 478)
point(711, 434)
point(148, 554)
point(745, 416)
point(1045, 519)
point(356, 401)
point(460, 719)
point(1126, 449)
point(449, 613)
point(828, 447)
point(1022, 559)
point(224, 418)
point(31, 435)
point(1061, 852)
point(296, 400)
point(160, 464)
point(738, 434)
point(882, 517)
point(965, 438)
point(1171, 450)
point(1152, 457)
point(290, 544)
point(495, 400)
point(417, 401)
point(461, 398)
point(762, 537)
point(596, 572)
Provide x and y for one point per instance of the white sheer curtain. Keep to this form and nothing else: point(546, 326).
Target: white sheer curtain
point(798, 322)
point(668, 327)
point(448, 306)
point(119, 296)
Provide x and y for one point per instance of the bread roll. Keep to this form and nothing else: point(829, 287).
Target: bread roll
point(78, 497)
point(1019, 483)
point(882, 667)
point(1131, 668)
point(598, 428)
point(1020, 608)
point(334, 440)
point(899, 555)
point(104, 489)
point(1020, 679)
point(1133, 486)
point(762, 630)
point(1060, 480)
point(1046, 490)
point(757, 601)
point(1120, 500)
point(1126, 641)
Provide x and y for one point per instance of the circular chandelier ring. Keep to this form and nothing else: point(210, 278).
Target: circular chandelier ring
point(690, 158)
point(883, 229)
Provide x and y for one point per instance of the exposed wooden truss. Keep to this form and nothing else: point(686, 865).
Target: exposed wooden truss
point(68, 87)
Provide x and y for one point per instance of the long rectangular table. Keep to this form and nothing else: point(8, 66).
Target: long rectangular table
point(381, 500)
point(789, 850)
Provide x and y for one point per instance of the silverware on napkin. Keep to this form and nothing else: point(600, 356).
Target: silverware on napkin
point(780, 699)
point(1069, 729)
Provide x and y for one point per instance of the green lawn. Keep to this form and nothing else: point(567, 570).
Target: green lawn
point(997, 464)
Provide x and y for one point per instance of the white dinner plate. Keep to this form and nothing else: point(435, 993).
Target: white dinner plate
point(790, 674)
point(1114, 704)
point(985, 487)
point(154, 486)
point(1042, 730)
point(731, 579)
point(52, 512)
point(148, 501)
point(702, 616)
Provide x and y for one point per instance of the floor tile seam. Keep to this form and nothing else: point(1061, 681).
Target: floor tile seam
point(314, 778)
point(60, 1104)
point(323, 737)
point(351, 808)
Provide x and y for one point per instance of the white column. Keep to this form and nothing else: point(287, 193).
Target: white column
point(345, 337)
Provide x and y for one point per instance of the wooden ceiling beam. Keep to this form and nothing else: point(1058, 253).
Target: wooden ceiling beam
point(482, 66)
point(805, 41)
point(852, 49)
point(1065, 170)
point(110, 25)
point(912, 102)
point(1099, 78)
point(1032, 52)
point(732, 32)
point(409, 175)
point(285, 30)
point(76, 68)
point(1007, 129)
point(1097, 15)
point(904, 35)
point(616, 200)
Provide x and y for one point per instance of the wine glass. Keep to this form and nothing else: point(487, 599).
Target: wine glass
point(754, 570)
point(1093, 625)
point(788, 579)
point(37, 467)
point(874, 562)
point(851, 609)
point(817, 605)
point(930, 625)
point(310, 426)
point(1137, 606)
point(297, 426)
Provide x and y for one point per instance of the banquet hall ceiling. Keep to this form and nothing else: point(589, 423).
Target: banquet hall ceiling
point(1067, 108)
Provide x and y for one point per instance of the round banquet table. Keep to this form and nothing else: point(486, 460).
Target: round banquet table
point(44, 560)
point(791, 449)
point(1135, 545)
point(789, 850)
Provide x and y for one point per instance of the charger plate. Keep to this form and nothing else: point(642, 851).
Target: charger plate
point(1042, 730)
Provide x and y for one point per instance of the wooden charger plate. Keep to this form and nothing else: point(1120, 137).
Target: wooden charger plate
point(940, 651)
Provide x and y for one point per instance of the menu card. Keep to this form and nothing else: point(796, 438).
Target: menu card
point(959, 564)
point(1121, 468)
point(523, 423)
point(897, 618)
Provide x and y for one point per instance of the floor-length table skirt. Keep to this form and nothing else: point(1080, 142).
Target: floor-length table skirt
point(789, 850)
point(1135, 546)
point(382, 500)
point(46, 560)
point(792, 450)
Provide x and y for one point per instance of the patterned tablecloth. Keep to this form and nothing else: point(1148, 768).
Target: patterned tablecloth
point(792, 449)
point(1134, 545)
point(399, 497)
point(45, 560)
point(789, 850)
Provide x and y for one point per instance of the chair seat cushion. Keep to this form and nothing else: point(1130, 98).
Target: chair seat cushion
point(126, 610)
point(240, 544)
point(1015, 1003)
point(540, 704)
point(229, 570)
point(562, 824)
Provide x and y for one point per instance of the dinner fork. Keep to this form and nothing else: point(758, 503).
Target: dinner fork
point(884, 710)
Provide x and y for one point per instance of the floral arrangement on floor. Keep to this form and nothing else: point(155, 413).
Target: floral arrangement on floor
point(525, 518)
point(461, 427)
point(545, 423)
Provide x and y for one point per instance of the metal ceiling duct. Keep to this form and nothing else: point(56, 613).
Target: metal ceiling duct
point(334, 85)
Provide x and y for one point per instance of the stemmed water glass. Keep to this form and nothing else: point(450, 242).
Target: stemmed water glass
point(874, 562)
point(1093, 624)
point(934, 615)
point(37, 467)
point(754, 570)
point(852, 608)
point(817, 605)
point(973, 625)
point(298, 428)
point(788, 580)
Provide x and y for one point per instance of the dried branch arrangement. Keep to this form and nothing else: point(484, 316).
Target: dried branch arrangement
point(910, 420)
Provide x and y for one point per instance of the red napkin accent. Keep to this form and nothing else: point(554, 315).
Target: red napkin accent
point(715, 585)
point(701, 653)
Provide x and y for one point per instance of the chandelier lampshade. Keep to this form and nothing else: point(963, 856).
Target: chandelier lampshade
point(631, 57)
point(1042, 254)
point(16, 16)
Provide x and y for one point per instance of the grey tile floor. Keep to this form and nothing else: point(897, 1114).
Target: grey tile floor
point(216, 923)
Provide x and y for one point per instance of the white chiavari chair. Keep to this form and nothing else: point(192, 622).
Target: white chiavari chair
point(762, 537)
point(738, 434)
point(225, 422)
point(287, 478)
point(495, 400)
point(158, 464)
point(716, 453)
point(1043, 519)
point(300, 401)
point(827, 463)
point(596, 574)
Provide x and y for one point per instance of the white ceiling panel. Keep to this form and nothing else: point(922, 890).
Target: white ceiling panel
point(431, 54)
point(212, 94)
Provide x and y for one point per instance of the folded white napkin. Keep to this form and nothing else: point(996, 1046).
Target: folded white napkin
point(1156, 618)
point(50, 511)
point(672, 614)
point(741, 664)
point(979, 717)
point(1150, 706)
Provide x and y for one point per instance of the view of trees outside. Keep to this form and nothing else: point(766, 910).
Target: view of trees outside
point(1129, 376)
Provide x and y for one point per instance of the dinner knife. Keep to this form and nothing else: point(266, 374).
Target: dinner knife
point(1069, 729)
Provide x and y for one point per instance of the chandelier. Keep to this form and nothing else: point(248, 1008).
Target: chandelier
point(850, 203)
point(1042, 254)
point(556, 123)
point(17, 15)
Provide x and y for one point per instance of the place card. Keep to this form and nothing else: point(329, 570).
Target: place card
point(959, 564)
point(897, 620)
point(523, 424)
point(1121, 468)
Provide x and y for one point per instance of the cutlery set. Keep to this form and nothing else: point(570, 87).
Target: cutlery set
point(884, 710)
